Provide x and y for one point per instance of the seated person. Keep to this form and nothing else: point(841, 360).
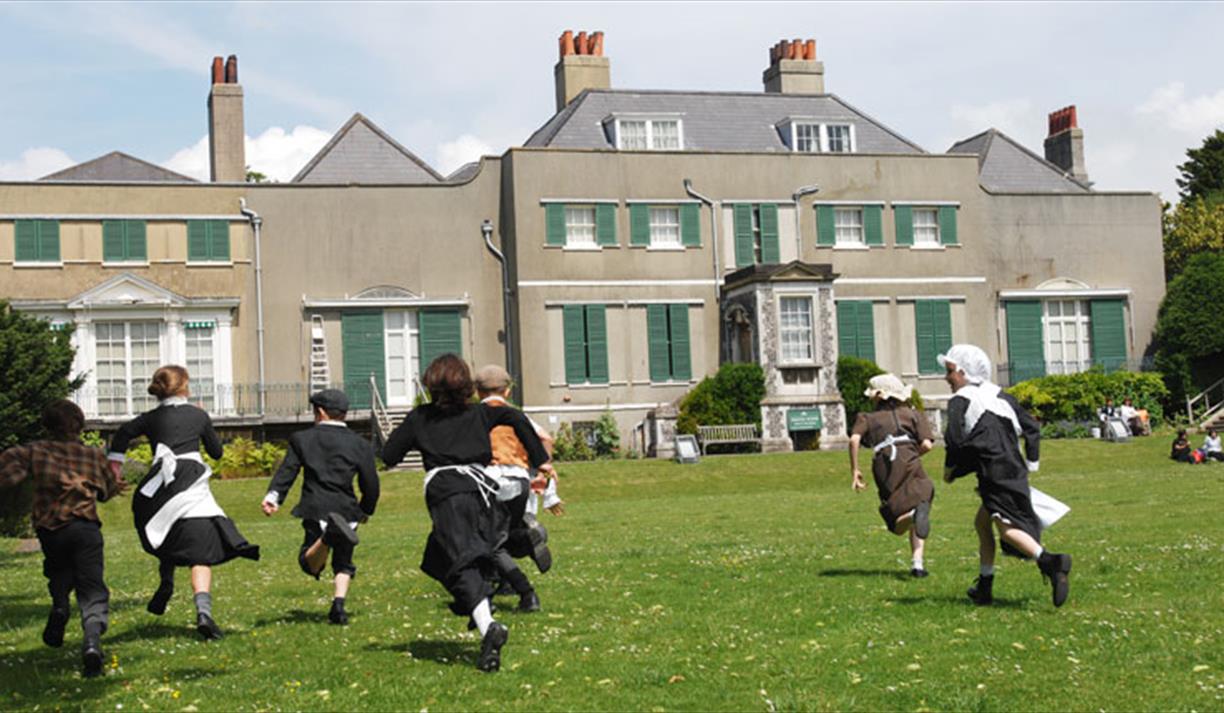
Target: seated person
point(1108, 412)
point(1211, 446)
point(1180, 450)
point(1132, 417)
point(1111, 415)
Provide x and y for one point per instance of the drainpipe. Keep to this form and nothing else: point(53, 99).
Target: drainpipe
point(688, 188)
point(486, 229)
point(799, 193)
point(256, 223)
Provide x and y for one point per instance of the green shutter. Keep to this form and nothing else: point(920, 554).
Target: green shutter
point(605, 224)
point(197, 241)
point(136, 243)
point(866, 331)
point(947, 225)
point(903, 215)
point(48, 241)
point(1025, 341)
point(826, 226)
point(597, 343)
point(26, 241)
point(574, 328)
point(681, 359)
point(218, 241)
point(440, 333)
point(873, 224)
point(769, 234)
point(1108, 334)
point(554, 224)
point(847, 328)
point(690, 225)
point(927, 327)
point(942, 312)
point(362, 337)
point(744, 253)
point(639, 224)
point(656, 337)
point(113, 240)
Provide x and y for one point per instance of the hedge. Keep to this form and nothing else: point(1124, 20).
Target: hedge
point(1076, 397)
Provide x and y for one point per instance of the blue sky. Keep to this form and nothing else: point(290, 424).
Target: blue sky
point(451, 81)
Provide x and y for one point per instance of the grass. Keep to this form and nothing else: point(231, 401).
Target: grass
point(741, 583)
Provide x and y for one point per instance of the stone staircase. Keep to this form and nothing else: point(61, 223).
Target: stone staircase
point(1207, 408)
point(383, 420)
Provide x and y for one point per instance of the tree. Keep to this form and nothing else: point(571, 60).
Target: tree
point(1188, 337)
point(1194, 226)
point(1202, 177)
point(35, 363)
point(253, 176)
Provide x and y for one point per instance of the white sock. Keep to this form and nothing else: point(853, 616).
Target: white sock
point(1040, 550)
point(986, 570)
point(482, 616)
point(918, 563)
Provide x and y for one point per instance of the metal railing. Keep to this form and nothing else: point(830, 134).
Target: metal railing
point(1207, 404)
point(378, 413)
point(226, 401)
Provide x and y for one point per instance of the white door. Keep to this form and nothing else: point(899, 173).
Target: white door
point(402, 359)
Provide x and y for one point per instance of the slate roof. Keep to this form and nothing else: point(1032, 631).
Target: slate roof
point(360, 152)
point(118, 166)
point(1004, 166)
point(714, 121)
point(464, 173)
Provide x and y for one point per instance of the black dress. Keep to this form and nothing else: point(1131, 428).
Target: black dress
point(991, 449)
point(461, 499)
point(178, 521)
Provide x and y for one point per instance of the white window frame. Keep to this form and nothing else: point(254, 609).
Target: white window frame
point(571, 243)
point(827, 140)
point(650, 120)
point(657, 226)
point(861, 241)
point(1055, 353)
point(133, 402)
point(791, 127)
point(817, 138)
point(934, 242)
point(783, 330)
point(201, 391)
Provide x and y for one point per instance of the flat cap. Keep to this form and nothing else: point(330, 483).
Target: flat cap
point(492, 378)
point(330, 400)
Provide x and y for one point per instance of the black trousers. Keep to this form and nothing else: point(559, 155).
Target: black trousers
point(72, 561)
point(341, 554)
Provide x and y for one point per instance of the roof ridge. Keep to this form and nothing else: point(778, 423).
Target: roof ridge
point(1039, 159)
point(121, 154)
point(343, 131)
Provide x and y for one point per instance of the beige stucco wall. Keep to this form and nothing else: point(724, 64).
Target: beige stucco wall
point(332, 242)
point(165, 207)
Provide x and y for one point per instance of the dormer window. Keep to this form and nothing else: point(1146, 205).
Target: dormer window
point(811, 136)
point(646, 133)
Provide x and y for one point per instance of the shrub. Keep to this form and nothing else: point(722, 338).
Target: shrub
point(570, 445)
point(607, 436)
point(1076, 397)
point(241, 458)
point(1188, 335)
point(1067, 429)
point(93, 438)
point(733, 395)
point(853, 375)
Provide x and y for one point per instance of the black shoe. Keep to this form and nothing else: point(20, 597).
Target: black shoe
point(529, 602)
point(53, 634)
point(339, 531)
point(490, 647)
point(1056, 568)
point(208, 628)
point(919, 573)
point(540, 554)
point(922, 520)
point(338, 616)
point(981, 592)
point(503, 588)
point(91, 658)
point(157, 605)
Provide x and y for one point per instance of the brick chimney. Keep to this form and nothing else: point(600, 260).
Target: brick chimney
point(226, 134)
point(1064, 147)
point(582, 66)
point(793, 68)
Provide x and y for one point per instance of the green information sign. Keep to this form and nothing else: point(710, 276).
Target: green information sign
point(804, 419)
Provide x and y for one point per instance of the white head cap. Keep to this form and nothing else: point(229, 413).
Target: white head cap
point(969, 360)
point(887, 386)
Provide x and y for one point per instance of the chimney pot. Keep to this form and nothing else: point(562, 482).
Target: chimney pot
point(796, 48)
point(218, 71)
point(793, 68)
point(582, 66)
point(580, 42)
point(567, 43)
point(596, 44)
point(809, 50)
point(231, 70)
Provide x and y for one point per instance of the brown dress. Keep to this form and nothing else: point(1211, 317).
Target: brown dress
point(901, 481)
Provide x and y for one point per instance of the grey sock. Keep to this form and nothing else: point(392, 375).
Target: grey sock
point(203, 602)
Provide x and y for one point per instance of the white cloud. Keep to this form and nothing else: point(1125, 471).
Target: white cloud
point(1196, 115)
point(466, 148)
point(275, 153)
point(34, 163)
point(1014, 117)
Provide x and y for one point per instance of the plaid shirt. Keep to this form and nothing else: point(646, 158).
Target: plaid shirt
point(69, 479)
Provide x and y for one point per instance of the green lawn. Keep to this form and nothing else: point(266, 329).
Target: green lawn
point(742, 583)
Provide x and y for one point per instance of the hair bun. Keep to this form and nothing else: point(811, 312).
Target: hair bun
point(170, 380)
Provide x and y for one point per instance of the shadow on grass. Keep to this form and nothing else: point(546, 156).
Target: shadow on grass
point(438, 651)
point(961, 601)
point(893, 573)
point(296, 616)
point(21, 610)
point(46, 675)
point(153, 630)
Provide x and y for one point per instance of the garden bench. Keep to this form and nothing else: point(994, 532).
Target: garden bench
point(729, 433)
